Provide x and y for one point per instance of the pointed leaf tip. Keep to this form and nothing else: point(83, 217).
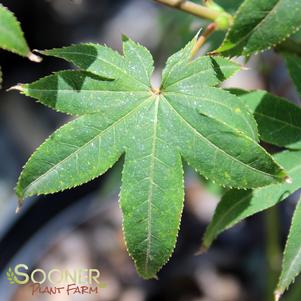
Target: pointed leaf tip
point(198, 33)
point(277, 295)
point(34, 58)
point(124, 38)
point(288, 180)
point(19, 206)
point(245, 68)
point(18, 87)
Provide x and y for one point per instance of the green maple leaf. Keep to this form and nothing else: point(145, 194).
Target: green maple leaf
point(119, 112)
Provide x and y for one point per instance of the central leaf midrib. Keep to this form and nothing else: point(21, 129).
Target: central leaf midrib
point(150, 189)
point(242, 117)
point(87, 90)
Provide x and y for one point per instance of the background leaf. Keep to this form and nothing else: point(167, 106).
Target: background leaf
point(279, 121)
point(291, 265)
point(236, 205)
point(11, 34)
point(261, 24)
point(294, 67)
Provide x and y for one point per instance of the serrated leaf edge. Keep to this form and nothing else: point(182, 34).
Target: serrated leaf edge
point(282, 175)
point(207, 245)
point(246, 53)
point(48, 52)
point(178, 228)
point(279, 291)
point(282, 99)
point(21, 197)
point(22, 88)
point(31, 56)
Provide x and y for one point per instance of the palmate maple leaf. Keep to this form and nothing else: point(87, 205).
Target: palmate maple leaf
point(120, 113)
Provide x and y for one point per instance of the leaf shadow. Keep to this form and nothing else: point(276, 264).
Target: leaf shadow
point(72, 80)
point(86, 60)
point(217, 69)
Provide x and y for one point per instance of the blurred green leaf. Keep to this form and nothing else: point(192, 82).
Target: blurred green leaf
point(260, 25)
point(291, 264)
point(279, 121)
point(11, 34)
point(294, 67)
point(237, 205)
